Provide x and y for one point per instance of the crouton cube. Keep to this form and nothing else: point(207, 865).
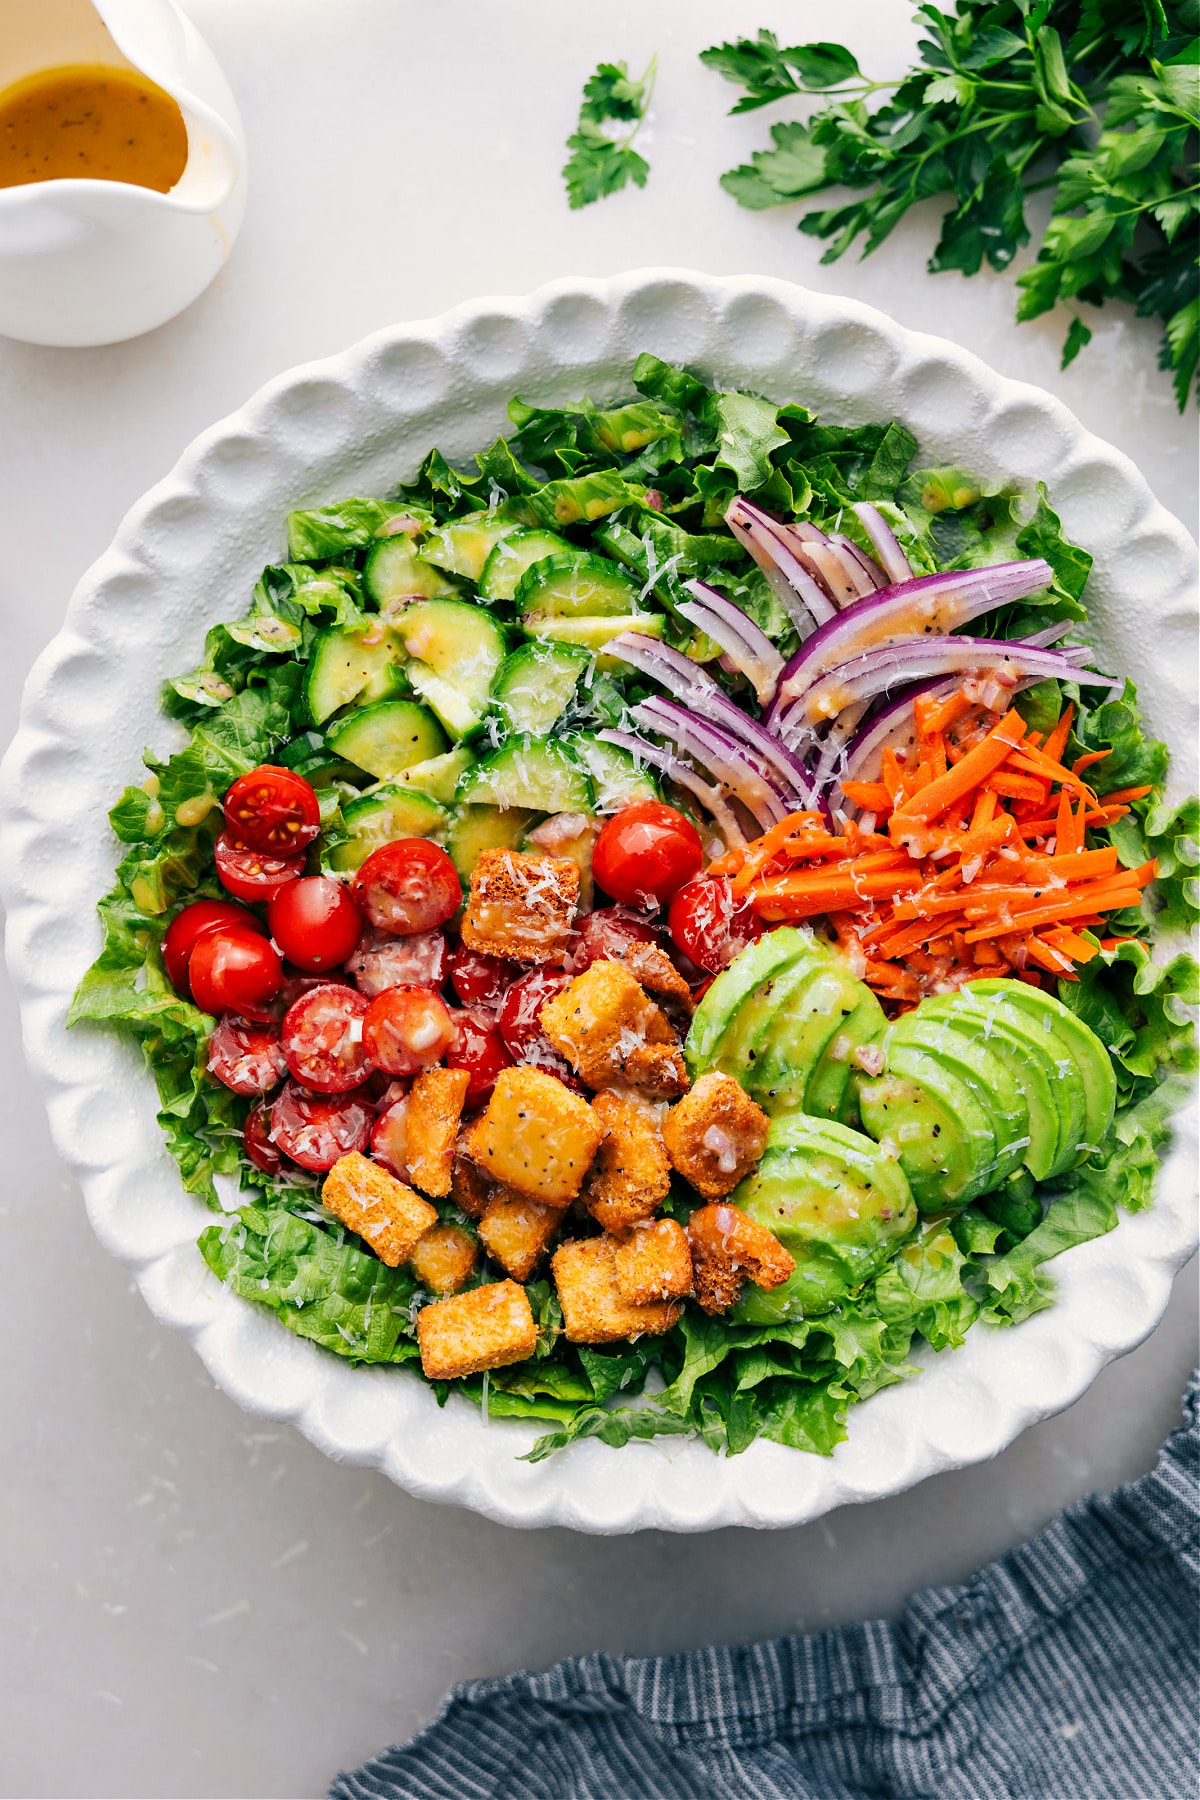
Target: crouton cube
point(654, 1263)
point(631, 1174)
point(536, 1136)
point(381, 1209)
point(650, 965)
point(521, 906)
point(470, 1188)
point(610, 1030)
point(443, 1259)
point(486, 1328)
point(715, 1134)
point(593, 1307)
point(435, 1106)
point(515, 1232)
point(730, 1248)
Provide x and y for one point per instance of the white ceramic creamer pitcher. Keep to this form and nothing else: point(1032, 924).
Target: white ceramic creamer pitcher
point(92, 261)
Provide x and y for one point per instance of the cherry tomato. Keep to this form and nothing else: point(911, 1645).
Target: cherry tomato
point(315, 922)
point(645, 853)
point(389, 1137)
point(256, 1140)
point(246, 1057)
point(322, 1038)
point(478, 1048)
point(253, 874)
point(190, 925)
point(273, 810)
point(609, 932)
point(386, 962)
point(316, 1129)
point(480, 980)
point(407, 1029)
point(709, 925)
point(235, 970)
point(520, 1026)
point(408, 886)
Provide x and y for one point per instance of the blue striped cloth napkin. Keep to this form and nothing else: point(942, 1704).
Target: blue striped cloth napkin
point(1065, 1671)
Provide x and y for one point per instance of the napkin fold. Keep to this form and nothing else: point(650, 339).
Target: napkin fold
point(1067, 1670)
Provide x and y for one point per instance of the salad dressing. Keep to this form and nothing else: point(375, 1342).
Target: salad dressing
point(91, 121)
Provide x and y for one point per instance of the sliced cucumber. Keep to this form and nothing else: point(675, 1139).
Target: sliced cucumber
point(531, 773)
point(440, 775)
point(463, 546)
point(511, 558)
point(456, 649)
point(394, 571)
point(534, 685)
point(616, 778)
point(343, 666)
point(387, 737)
point(380, 818)
point(474, 829)
point(594, 634)
point(575, 586)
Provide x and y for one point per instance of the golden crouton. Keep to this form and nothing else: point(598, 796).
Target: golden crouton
point(515, 1232)
point(631, 1175)
point(654, 1263)
point(610, 1030)
point(535, 1136)
point(593, 1307)
point(729, 1248)
point(653, 968)
point(443, 1260)
point(715, 1134)
point(381, 1209)
point(470, 1188)
point(486, 1328)
point(521, 906)
point(435, 1106)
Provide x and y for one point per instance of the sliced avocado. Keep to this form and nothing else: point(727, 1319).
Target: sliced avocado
point(1079, 1046)
point(837, 1202)
point(388, 736)
point(1028, 1062)
point(758, 963)
point(981, 1069)
point(394, 571)
point(474, 829)
point(514, 556)
point(577, 585)
point(940, 1134)
point(380, 818)
point(832, 1091)
point(809, 1003)
point(463, 546)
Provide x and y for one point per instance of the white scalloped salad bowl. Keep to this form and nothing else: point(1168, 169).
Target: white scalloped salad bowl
point(187, 556)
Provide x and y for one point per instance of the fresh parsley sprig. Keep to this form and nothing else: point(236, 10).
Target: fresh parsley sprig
point(1095, 98)
point(601, 163)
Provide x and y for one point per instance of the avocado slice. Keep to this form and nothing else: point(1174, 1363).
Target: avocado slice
point(833, 1086)
point(813, 1007)
point(756, 965)
point(1054, 1105)
point(1077, 1044)
point(939, 1131)
point(985, 1073)
point(836, 1201)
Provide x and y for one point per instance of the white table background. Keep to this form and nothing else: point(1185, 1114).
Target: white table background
point(195, 1604)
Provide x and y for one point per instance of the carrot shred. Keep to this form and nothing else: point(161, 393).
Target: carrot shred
point(1118, 795)
point(978, 763)
point(872, 796)
point(1085, 762)
point(1056, 743)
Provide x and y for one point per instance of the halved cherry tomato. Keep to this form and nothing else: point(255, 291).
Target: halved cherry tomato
point(609, 932)
point(481, 980)
point(520, 1025)
point(253, 874)
point(382, 961)
point(709, 926)
point(478, 1048)
point(273, 810)
point(645, 853)
point(246, 1057)
point(322, 1038)
point(316, 1129)
point(315, 922)
point(187, 927)
point(389, 1137)
point(256, 1140)
point(407, 1029)
point(235, 970)
point(408, 886)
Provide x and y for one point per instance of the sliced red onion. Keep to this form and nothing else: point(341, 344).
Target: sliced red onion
point(748, 649)
point(803, 599)
point(831, 758)
point(896, 565)
point(697, 689)
point(738, 770)
point(906, 660)
point(859, 566)
point(684, 776)
point(928, 605)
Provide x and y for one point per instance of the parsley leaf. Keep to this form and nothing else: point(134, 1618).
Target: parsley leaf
point(601, 163)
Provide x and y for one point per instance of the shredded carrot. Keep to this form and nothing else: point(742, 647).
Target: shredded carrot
point(1118, 795)
point(1056, 743)
point(936, 796)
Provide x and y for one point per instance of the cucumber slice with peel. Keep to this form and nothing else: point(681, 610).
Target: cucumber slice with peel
point(528, 772)
point(474, 829)
point(576, 586)
point(514, 556)
point(387, 737)
point(534, 685)
point(394, 571)
point(456, 649)
point(594, 634)
point(344, 665)
point(440, 776)
point(463, 546)
point(616, 776)
point(389, 813)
